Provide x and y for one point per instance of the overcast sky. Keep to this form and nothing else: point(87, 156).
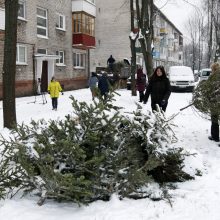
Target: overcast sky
point(178, 11)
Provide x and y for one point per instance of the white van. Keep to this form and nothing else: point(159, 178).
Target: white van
point(204, 74)
point(181, 77)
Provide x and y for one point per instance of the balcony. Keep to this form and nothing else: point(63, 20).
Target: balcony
point(84, 6)
point(83, 41)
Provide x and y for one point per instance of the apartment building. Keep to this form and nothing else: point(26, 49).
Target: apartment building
point(48, 45)
point(168, 42)
point(112, 36)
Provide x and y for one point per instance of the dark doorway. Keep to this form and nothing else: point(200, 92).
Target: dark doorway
point(44, 77)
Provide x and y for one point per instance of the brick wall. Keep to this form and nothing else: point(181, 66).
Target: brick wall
point(57, 40)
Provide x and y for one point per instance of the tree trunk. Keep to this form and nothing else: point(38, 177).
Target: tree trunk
point(145, 23)
point(149, 58)
point(217, 32)
point(133, 53)
point(210, 36)
point(9, 66)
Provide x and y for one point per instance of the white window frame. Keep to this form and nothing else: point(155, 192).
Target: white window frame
point(58, 26)
point(79, 56)
point(18, 62)
point(60, 53)
point(41, 27)
point(22, 2)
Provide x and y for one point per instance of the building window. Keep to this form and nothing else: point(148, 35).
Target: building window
point(21, 9)
point(60, 22)
point(60, 61)
point(79, 60)
point(42, 29)
point(83, 23)
point(42, 51)
point(21, 56)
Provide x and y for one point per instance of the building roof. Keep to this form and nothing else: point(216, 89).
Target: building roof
point(165, 18)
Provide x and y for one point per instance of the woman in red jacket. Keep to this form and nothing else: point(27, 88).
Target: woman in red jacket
point(141, 83)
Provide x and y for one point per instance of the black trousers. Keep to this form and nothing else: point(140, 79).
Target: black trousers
point(54, 103)
point(153, 106)
point(215, 127)
point(141, 95)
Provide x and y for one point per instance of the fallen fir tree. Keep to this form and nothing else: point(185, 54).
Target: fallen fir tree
point(91, 155)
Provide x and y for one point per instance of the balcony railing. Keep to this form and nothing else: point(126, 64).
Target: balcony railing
point(83, 41)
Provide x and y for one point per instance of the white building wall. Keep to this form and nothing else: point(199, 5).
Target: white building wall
point(112, 35)
point(112, 31)
point(2, 19)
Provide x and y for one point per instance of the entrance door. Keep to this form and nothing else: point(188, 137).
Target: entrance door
point(44, 77)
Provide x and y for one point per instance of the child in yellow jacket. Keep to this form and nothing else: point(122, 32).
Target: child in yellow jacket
point(54, 90)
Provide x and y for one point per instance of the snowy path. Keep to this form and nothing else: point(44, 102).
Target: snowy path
point(193, 200)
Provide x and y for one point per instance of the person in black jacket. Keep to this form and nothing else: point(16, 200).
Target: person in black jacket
point(159, 89)
point(103, 85)
point(110, 62)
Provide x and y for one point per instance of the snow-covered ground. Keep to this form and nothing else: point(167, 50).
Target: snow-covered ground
point(198, 199)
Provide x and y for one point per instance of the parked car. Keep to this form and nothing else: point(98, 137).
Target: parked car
point(181, 78)
point(204, 74)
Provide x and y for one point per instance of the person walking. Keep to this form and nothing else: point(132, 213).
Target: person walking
point(104, 85)
point(110, 62)
point(141, 83)
point(93, 83)
point(54, 90)
point(159, 89)
point(213, 83)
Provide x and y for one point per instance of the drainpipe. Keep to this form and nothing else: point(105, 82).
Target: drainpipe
point(88, 61)
point(34, 73)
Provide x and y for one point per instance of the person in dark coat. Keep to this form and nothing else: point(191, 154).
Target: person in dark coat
point(214, 83)
point(159, 89)
point(141, 83)
point(110, 62)
point(93, 82)
point(103, 85)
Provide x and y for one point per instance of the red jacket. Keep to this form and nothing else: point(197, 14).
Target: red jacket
point(141, 80)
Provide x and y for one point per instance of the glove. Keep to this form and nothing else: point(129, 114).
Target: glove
point(49, 92)
point(163, 102)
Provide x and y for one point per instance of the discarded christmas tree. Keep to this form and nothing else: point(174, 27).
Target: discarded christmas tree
point(93, 154)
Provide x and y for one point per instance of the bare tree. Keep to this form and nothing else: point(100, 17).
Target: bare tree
point(217, 30)
point(133, 39)
point(212, 9)
point(145, 15)
point(9, 66)
point(210, 29)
